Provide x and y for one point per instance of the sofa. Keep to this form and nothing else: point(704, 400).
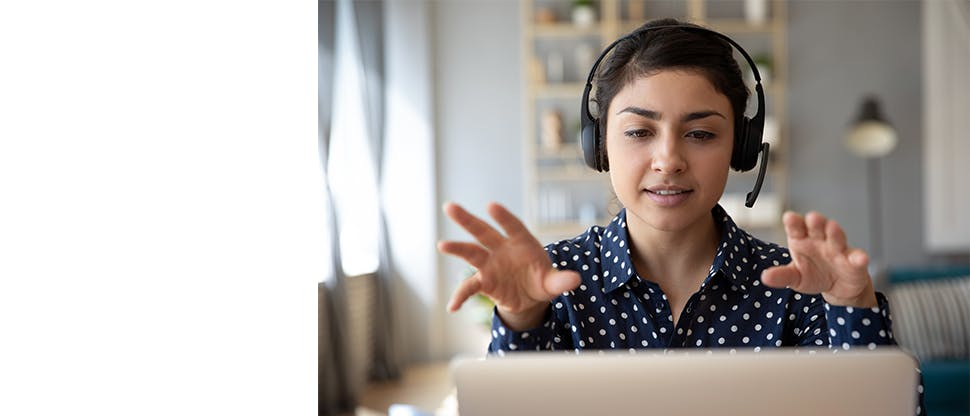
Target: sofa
point(931, 319)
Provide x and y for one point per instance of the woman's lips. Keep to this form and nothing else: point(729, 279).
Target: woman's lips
point(668, 197)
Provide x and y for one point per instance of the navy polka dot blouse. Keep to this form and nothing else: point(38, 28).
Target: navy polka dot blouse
point(613, 308)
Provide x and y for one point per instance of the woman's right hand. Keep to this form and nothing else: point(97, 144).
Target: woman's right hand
point(514, 271)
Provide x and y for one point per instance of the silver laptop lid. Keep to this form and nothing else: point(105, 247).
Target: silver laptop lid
point(690, 382)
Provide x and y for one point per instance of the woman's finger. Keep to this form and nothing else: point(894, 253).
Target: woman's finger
point(510, 223)
point(472, 253)
point(482, 232)
point(465, 290)
point(859, 259)
point(794, 225)
point(815, 223)
point(560, 281)
point(782, 276)
point(836, 236)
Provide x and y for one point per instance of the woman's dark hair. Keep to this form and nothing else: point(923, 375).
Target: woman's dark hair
point(650, 51)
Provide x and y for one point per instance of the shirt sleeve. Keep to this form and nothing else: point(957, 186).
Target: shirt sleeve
point(845, 327)
point(536, 339)
point(848, 326)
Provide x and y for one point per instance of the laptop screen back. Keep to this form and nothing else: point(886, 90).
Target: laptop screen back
point(690, 382)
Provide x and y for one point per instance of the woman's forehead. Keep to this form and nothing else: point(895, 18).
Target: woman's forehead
point(670, 90)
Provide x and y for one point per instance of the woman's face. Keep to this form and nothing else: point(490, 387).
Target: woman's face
point(669, 138)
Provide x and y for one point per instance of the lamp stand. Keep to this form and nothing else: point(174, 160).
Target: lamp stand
point(874, 176)
point(875, 208)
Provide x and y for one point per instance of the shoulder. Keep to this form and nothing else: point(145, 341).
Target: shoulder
point(743, 249)
point(583, 246)
point(764, 253)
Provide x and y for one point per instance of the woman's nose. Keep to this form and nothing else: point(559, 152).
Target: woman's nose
point(668, 157)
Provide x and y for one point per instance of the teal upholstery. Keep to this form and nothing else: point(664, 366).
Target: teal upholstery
point(910, 274)
point(946, 387)
point(946, 380)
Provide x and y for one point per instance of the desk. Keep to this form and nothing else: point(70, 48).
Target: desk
point(424, 386)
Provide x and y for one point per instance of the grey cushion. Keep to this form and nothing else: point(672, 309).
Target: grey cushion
point(931, 318)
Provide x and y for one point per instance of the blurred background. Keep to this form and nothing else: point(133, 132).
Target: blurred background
point(471, 101)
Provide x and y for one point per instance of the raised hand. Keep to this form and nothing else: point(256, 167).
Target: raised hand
point(822, 262)
point(513, 270)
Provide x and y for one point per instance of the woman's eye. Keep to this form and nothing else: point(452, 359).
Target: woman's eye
point(700, 135)
point(637, 133)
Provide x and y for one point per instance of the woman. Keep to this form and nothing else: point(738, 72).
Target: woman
point(671, 269)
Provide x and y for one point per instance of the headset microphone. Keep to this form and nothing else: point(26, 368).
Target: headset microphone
point(748, 143)
point(753, 195)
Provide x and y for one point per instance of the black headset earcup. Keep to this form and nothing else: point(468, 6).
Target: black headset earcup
point(740, 142)
point(747, 144)
point(590, 142)
point(602, 163)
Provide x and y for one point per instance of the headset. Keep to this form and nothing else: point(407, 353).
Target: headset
point(748, 133)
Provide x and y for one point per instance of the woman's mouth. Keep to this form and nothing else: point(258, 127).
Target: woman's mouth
point(668, 196)
point(668, 192)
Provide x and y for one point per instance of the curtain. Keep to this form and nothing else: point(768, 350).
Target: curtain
point(334, 395)
point(370, 24)
point(359, 26)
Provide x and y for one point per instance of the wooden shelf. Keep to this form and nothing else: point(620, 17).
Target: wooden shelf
point(564, 90)
point(739, 26)
point(571, 174)
point(567, 151)
point(565, 30)
point(566, 229)
point(725, 26)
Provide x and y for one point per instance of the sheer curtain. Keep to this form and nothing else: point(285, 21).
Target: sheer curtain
point(334, 394)
point(352, 148)
point(369, 174)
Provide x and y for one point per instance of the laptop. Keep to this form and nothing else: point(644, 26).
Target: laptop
point(785, 381)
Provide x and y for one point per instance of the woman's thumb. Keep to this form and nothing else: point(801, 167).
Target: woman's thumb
point(560, 281)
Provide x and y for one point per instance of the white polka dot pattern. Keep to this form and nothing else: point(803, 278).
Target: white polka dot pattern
point(614, 308)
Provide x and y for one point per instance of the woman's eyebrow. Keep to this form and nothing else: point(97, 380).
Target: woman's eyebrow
point(643, 112)
point(702, 114)
point(653, 115)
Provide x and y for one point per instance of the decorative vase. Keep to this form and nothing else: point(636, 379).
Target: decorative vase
point(551, 131)
point(756, 11)
point(584, 15)
point(545, 15)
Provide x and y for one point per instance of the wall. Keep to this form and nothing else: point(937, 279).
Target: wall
point(409, 187)
point(478, 98)
point(839, 52)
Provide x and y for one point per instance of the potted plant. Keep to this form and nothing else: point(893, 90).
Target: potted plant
point(583, 13)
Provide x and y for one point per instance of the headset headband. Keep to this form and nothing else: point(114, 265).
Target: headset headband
point(748, 135)
point(754, 68)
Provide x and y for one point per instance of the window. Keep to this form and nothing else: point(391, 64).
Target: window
point(351, 168)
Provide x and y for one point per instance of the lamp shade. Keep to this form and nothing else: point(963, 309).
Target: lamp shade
point(870, 135)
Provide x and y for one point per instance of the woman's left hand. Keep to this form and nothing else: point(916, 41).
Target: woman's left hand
point(822, 262)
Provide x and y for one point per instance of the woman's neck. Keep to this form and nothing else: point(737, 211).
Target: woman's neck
point(674, 259)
